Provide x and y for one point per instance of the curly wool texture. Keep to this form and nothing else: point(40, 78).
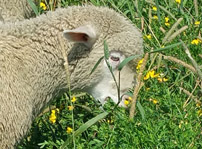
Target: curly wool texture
point(31, 61)
point(13, 10)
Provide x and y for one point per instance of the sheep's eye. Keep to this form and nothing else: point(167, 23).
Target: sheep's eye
point(114, 58)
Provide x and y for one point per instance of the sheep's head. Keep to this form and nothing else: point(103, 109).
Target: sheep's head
point(89, 44)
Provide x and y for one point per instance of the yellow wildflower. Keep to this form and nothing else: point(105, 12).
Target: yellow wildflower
point(69, 130)
point(196, 41)
point(148, 36)
point(197, 23)
point(126, 102)
point(162, 79)
point(139, 64)
point(155, 17)
point(178, 1)
point(147, 76)
point(110, 121)
point(198, 104)
point(52, 117)
point(199, 112)
point(73, 99)
point(70, 108)
point(147, 89)
point(154, 8)
point(151, 74)
point(167, 24)
point(43, 6)
point(130, 98)
point(166, 19)
point(155, 101)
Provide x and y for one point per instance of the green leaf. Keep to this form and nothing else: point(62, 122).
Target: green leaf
point(84, 127)
point(166, 48)
point(142, 112)
point(33, 6)
point(126, 60)
point(96, 65)
point(106, 50)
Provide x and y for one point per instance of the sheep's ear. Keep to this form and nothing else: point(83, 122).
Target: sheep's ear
point(83, 34)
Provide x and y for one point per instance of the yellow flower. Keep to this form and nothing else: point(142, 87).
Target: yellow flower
point(147, 89)
point(126, 102)
point(110, 121)
point(73, 99)
point(155, 101)
point(155, 17)
point(198, 104)
point(167, 24)
point(199, 112)
point(139, 64)
point(166, 19)
point(162, 79)
point(153, 75)
point(52, 117)
point(69, 130)
point(154, 8)
point(130, 98)
point(197, 23)
point(196, 41)
point(178, 1)
point(148, 36)
point(147, 76)
point(70, 108)
point(43, 6)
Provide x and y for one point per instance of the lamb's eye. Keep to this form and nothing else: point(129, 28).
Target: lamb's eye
point(114, 58)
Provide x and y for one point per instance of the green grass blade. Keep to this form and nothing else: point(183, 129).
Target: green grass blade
point(33, 6)
point(142, 112)
point(106, 50)
point(158, 11)
point(127, 60)
point(166, 48)
point(96, 65)
point(89, 123)
point(84, 127)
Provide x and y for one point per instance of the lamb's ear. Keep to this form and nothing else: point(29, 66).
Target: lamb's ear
point(83, 34)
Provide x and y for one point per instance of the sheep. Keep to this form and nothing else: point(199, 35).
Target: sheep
point(13, 10)
point(32, 66)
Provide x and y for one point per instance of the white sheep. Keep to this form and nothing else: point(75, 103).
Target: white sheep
point(13, 10)
point(31, 62)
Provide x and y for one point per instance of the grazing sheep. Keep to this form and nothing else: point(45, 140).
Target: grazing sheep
point(13, 10)
point(31, 62)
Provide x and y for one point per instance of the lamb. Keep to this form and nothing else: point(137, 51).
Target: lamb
point(13, 10)
point(31, 62)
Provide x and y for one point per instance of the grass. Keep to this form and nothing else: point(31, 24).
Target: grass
point(172, 108)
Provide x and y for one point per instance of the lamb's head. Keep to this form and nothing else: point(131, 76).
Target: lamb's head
point(88, 35)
